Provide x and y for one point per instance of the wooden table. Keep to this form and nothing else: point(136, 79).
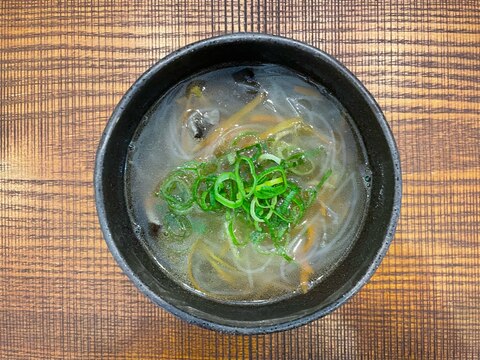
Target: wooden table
point(64, 66)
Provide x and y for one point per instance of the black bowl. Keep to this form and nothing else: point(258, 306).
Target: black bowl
point(345, 280)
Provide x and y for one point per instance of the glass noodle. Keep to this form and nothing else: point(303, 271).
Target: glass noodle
point(247, 184)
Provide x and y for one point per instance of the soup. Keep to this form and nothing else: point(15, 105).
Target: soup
point(247, 183)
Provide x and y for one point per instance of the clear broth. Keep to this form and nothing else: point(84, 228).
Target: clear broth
point(165, 141)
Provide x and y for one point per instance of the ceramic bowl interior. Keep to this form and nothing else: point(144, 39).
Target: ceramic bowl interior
point(347, 278)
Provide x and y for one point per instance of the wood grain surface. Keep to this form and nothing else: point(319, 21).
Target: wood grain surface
point(65, 65)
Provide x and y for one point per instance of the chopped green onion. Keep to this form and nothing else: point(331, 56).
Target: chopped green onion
point(269, 203)
point(309, 195)
point(324, 179)
point(250, 185)
point(177, 191)
point(251, 169)
point(268, 156)
point(282, 252)
point(299, 164)
point(245, 136)
point(259, 217)
point(253, 151)
point(257, 237)
point(176, 225)
point(277, 228)
point(231, 230)
point(236, 199)
point(269, 186)
point(203, 192)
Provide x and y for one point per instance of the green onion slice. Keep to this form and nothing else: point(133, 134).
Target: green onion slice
point(240, 176)
point(271, 182)
point(176, 191)
point(267, 156)
point(176, 225)
point(324, 178)
point(203, 192)
point(226, 190)
point(233, 224)
point(299, 164)
point(253, 151)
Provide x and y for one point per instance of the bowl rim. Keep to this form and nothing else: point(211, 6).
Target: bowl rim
point(192, 319)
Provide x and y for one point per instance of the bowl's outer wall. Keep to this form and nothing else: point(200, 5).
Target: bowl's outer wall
point(347, 278)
